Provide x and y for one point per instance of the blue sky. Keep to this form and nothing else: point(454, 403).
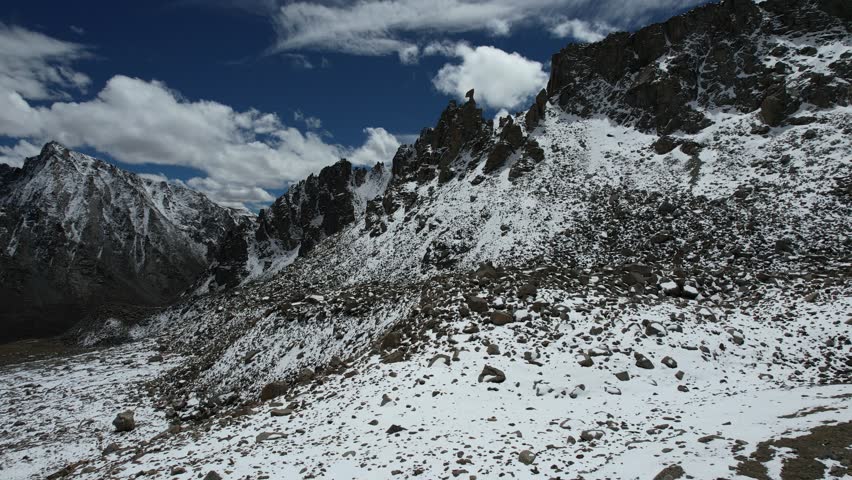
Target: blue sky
point(240, 98)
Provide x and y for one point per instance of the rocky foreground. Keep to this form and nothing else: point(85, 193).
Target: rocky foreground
point(540, 373)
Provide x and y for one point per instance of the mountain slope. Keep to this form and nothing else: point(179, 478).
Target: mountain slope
point(587, 193)
point(648, 270)
point(77, 233)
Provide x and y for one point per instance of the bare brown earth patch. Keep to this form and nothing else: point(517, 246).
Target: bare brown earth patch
point(827, 442)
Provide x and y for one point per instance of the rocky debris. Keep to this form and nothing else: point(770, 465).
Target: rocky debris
point(578, 391)
point(490, 374)
point(477, 304)
point(268, 437)
point(501, 318)
point(394, 429)
point(591, 435)
point(622, 376)
point(672, 472)
point(124, 421)
point(526, 457)
point(440, 358)
point(669, 362)
point(585, 360)
point(273, 390)
point(111, 448)
point(212, 475)
point(642, 361)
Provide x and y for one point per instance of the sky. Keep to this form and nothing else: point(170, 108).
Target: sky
point(239, 99)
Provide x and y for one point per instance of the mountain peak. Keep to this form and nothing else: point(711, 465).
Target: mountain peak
point(53, 148)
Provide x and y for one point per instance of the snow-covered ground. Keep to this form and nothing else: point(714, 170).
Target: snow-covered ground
point(749, 374)
point(56, 412)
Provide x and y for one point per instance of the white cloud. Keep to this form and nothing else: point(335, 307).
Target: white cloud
point(77, 30)
point(582, 30)
point(384, 27)
point(230, 195)
point(380, 146)
point(16, 154)
point(501, 79)
point(313, 123)
point(144, 122)
point(36, 66)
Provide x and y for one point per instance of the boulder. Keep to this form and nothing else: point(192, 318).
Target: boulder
point(672, 472)
point(642, 361)
point(526, 457)
point(124, 421)
point(477, 304)
point(273, 390)
point(501, 318)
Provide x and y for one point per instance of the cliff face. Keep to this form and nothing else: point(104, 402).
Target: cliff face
point(311, 211)
point(77, 233)
point(666, 77)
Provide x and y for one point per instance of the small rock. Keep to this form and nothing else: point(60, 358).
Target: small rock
point(526, 457)
point(111, 448)
point(585, 360)
point(492, 375)
point(394, 429)
point(590, 435)
point(669, 362)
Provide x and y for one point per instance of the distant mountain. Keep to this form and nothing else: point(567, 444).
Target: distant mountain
point(77, 233)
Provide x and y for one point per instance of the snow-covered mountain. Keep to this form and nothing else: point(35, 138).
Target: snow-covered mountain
point(77, 233)
point(645, 275)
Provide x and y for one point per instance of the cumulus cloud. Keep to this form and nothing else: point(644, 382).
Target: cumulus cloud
point(144, 122)
point(379, 145)
point(37, 67)
point(383, 27)
point(582, 30)
point(502, 80)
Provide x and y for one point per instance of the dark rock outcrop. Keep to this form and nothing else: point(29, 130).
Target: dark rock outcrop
point(707, 57)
